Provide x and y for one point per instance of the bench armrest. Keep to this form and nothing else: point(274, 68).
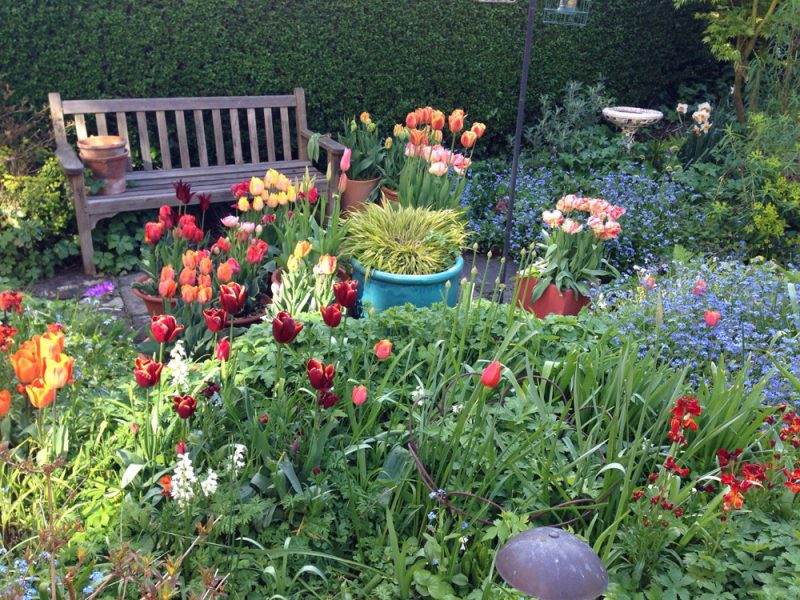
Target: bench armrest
point(68, 160)
point(326, 142)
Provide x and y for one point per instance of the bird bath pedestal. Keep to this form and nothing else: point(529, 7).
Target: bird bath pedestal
point(631, 119)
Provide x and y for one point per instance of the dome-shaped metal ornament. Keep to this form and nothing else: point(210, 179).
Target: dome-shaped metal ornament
point(551, 564)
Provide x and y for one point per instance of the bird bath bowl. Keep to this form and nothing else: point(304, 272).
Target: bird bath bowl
point(631, 119)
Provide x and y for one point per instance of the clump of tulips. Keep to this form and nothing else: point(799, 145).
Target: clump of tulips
point(434, 174)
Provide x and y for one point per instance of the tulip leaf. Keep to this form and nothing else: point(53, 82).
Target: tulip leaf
point(131, 471)
point(287, 468)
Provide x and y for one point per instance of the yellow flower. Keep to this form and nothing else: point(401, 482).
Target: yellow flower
point(293, 263)
point(243, 204)
point(302, 249)
point(258, 203)
point(398, 129)
point(364, 117)
point(388, 143)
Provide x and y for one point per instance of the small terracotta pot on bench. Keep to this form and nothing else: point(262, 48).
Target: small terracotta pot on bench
point(107, 158)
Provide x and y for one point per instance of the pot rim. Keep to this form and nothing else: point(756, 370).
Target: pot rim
point(363, 180)
point(411, 279)
point(101, 142)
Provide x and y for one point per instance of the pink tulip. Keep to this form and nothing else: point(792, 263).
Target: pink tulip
point(438, 169)
point(342, 183)
point(344, 163)
point(230, 221)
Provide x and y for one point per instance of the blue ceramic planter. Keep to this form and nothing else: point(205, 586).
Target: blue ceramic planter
point(383, 289)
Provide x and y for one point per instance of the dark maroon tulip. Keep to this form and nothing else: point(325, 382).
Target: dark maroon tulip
point(285, 328)
point(331, 314)
point(327, 399)
point(346, 293)
point(319, 375)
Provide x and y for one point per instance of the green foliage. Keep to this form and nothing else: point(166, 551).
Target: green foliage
point(384, 56)
point(363, 139)
point(117, 241)
point(36, 223)
point(562, 123)
point(405, 240)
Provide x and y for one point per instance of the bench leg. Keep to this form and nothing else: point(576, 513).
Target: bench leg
point(78, 188)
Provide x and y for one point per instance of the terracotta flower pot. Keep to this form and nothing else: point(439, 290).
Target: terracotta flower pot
point(551, 302)
point(154, 304)
point(389, 194)
point(357, 193)
point(107, 158)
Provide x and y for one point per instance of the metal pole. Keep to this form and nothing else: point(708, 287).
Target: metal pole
point(523, 91)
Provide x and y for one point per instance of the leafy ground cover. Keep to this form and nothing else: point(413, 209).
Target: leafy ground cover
point(294, 471)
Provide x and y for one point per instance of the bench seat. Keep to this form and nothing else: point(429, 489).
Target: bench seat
point(151, 189)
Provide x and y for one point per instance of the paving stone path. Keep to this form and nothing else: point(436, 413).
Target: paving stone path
point(122, 304)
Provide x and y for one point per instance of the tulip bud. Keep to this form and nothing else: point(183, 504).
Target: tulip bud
point(464, 281)
point(474, 271)
point(447, 284)
point(491, 374)
point(489, 254)
point(342, 183)
point(359, 395)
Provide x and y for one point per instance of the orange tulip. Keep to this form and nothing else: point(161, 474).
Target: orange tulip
point(418, 137)
point(478, 129)
point(40, 394)
point(437, 119)
point(167, 288)
point(51, 343)
point(26, 363)
point(411, 120)
point(468, 139)
point(224, 272)
point(188, 293)
point(204, 281)
point(188, 277)
point(167, 272)
point(456, 120)
point(206, 266)
point(190, 259)
point(204, 294)
point(5, 403)
point(58, 371)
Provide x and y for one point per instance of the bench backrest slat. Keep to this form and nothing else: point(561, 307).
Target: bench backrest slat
point(144, 140)
point(270, 133)
point(183, 144)
point(102, 126)
point(237, 140)
point(163, 139)
point(190, 142)
point(287, 141)
point(252, 133)
point(200, 129)
point(219, 141)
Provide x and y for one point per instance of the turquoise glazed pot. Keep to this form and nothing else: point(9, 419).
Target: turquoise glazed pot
point(383, 289)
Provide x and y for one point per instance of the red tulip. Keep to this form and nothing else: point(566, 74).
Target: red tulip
point(327, 399)
point(346, 293)
point(147, 372)
point(204, 200)
point(491, 374)
point(180, 448)
point(383, 349)
point(257, 251)
point(223, 350)
point(215, 319)
point(320, 375)
point(167, 216)
point(359, 395)
point(313, 196)
point(232, 297)
point(184, 406)
point(164, 328)
point(700, 288)
point(411, 120)
point(712, 318)
point(183, 191)
point(285, 328)
point(331, 314)
point(153, 232)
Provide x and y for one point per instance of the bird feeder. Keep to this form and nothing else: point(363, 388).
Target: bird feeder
point(551, 564)
point(566, 12)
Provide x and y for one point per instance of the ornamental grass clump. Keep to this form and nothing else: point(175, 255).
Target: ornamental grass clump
point(406, 240)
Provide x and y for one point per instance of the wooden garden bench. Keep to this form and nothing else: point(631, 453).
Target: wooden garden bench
point(182, 152)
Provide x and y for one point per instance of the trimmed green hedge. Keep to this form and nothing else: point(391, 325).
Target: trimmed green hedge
point(386, 56)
